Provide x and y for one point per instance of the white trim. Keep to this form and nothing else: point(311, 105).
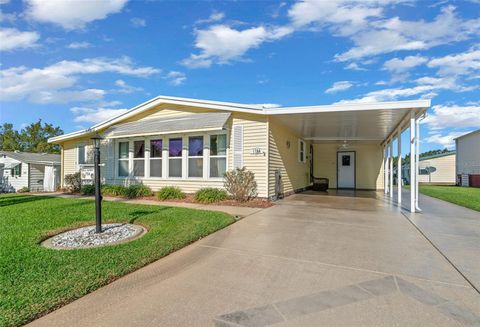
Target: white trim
point(300, 142)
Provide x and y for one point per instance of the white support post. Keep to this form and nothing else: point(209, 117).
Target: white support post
point(417, 161)
point(399, 167)
point(413, 182)
point(385, 169)
point(390, 169)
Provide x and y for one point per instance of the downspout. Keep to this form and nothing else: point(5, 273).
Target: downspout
point(417, 159)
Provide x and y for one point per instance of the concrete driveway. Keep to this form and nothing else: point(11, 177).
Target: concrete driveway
point(309, 261)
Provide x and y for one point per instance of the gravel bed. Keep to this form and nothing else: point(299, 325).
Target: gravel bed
point(86, 237)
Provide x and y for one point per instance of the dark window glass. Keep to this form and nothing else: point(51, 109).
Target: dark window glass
point(156, 147)
point(123, 150)
point(218, 145)
point(139, 149)
point(346, 160)
point(195, 146)
point(175, 147)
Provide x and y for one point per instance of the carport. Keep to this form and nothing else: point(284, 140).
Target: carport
point(353, 143)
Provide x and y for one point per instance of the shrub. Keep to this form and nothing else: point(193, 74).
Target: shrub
point(73, 182)
point(137, 190)
point(170, 193)
point(87, 190)
point(24, 190)
point(114, 190)
point(210, 195)
point(240, 183)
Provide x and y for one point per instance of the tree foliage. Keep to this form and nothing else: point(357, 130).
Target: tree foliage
point(32, 138)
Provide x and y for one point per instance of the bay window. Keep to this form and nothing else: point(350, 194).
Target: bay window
point(218, 155)
point(175, 146)
point(139, 158)
point(156, 148)
point(195, 156)
point(123, 159)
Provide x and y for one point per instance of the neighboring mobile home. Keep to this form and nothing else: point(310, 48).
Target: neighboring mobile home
point(435, 169)
point(190, 143)
point(468, 159)
point(39, 172)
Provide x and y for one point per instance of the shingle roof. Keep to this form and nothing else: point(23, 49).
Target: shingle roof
point(35, 158)
point(204, 121)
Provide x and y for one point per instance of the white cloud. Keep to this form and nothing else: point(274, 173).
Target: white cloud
point(97, 115)
point(58, 82)
point(7, 17)
point(453, 116)
point(11, 39)
point(466, 63)
point(123, 87)
point(138, 22)
point(445, 141)
point(398, 66)
point(339, 86)
point(354, 66)
point(176, 78)
point(72, 14)
point(221, 44)
point(214, 17)
point(79, 45)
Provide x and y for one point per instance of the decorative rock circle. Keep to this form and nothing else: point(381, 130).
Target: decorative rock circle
point(85, 237)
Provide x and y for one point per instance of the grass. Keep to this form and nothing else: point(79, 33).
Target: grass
point(35, 280)
point(468, 197)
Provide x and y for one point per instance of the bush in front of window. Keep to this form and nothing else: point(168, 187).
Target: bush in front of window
point(137, 191)
point(170, 193)
point(210, 195)
point(241, 184)
point(87, 190)
point(23, 190)
point(73, 182)
point(114, 190)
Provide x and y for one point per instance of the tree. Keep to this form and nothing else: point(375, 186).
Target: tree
point(33, 138)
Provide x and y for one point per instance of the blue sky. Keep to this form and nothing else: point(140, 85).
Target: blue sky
point(74, 63)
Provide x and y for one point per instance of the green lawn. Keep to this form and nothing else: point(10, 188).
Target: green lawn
point(468, 197)
point(35, 280)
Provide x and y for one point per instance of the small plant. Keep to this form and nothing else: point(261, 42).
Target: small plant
point(137, 190)
point(170, 193)
point(87, 190)
point(114, 190)
point(210, 195)
point(24, 190)
point(241, 184)
point(73, 182)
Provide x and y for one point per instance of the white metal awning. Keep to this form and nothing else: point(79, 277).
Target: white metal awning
point(10, 165)
point(157, 126)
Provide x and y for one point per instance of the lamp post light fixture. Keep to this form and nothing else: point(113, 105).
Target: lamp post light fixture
point(98, 196)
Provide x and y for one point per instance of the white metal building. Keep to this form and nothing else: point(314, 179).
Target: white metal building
point(468, 159)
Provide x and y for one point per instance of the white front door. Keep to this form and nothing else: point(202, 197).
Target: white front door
point(346, 169)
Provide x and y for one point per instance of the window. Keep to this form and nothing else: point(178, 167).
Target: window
point(195, 156)
point(139, 158)
point(301, 151)
point(82, 158)
point(156, 147)
point(345, 160)
point(123, 159)
point(218, 155)
point(175, 157)
point(16, 171)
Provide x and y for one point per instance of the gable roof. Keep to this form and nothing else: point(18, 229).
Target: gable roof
point(438, 155)
point(467, 134)
point(33, 158)
point(245, 108)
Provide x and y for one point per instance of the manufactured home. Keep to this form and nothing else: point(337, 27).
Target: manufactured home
point(437, 169)
point(37, 172)
point(191, 143)
point(468, 159)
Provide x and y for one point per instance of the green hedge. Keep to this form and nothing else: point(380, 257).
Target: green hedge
point(132, 191)
point(210, 195)
point(87, 190)
point(170, 193)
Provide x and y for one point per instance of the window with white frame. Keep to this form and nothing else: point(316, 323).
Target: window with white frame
point(16, 171)
point(139, 158)
point(123, 169)
point(301, 151)
point(175, 146)
point(156, 148)
point(195, 156)
point(218, 155)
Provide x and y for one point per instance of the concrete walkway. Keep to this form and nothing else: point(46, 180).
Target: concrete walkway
point(310, 260)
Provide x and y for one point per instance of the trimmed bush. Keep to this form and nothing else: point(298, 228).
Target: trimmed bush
point(114, 190)
point(23, 190)
point(87, 190)
point(170, 193)
point(73, 182)
point(210, 195)
point(137, 191)
point(240, 183)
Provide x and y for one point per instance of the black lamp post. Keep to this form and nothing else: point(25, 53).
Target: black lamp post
point(98, 196)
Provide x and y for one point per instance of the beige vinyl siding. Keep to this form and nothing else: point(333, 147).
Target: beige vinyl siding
point(295, 174)
point(36, 177)
point(166, 111)
point(369, 164)
point(444, 173)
